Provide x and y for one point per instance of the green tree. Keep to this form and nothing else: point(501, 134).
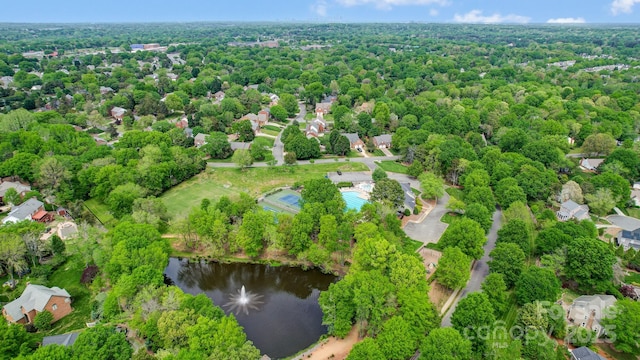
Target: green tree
point(508, 191)
point(57, 245)
point(466, 234)
point(120, 200)
point(12, 197)
point(396, 340)
point(290, 103)
point(52, 173)
point(252, 231)
point(579, 336)
point(479, 214)
point(328, 235)
point(290, 158)
point(13, 337)
point(533, 316)
point(432, 186)
point(589, 261)
point(602, 202)
point(279, 113)
point(217, 146)
point(481, 195)
point(538, 346)
point(102, 342)
point(338, 308)
point(599, 144)
point(618, 185)
point(12, 253)
point(507, 259)
point(366, 349)
point(473, 314)
point(445, 344)
point(496, 290)
point(625, 322)
point(379, 174)
point(242, 158)
point(43, 320)
point(516, 231)
point(388, 191)
point(51, 352)
point(550, 239)
point(173, 102)
point(342, 146)
point(537, 284)
point(244, 130)
point(454, 268)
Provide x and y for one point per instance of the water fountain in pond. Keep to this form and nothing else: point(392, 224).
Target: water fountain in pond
point(243, 301)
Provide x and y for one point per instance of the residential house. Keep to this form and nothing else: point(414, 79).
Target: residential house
point(236, 145)
point(67, 339)
point(219, 96)
point(354, 140)
point(584, 353)
point(5, 81)
point(25, 211)
point(572, 210)
point(200, 139)
point(629, 239)
point(409, 196)
point(382, 141)
point(590, 164)
point(316, 128)
point(118, 113)
point(274, 99)
point(588, 310)
point(255, 122)
point(20, 188)
point(183, 123)
point(36, 299)
point(322, 109)
point(263, 117)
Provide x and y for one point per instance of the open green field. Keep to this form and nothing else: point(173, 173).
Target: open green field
point(392, 166)
point(101, 211)
point(272, 127)
point(270, 132)
point(263, 141)
point(215, 183)
point(632, 278)
point(634, 212)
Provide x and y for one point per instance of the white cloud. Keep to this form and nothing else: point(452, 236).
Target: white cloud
point(388, 4)
point(320, 8)
point(476, 17)
point(433, 12)
point(623, 6)
point(568, 20)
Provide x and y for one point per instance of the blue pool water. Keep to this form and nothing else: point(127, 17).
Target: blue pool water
point(353, 200)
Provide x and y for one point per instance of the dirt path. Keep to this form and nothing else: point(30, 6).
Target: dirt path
point(332, 348)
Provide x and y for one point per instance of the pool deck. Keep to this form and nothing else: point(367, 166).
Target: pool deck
point(361, 193)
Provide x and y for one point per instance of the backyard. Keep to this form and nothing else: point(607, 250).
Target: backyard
point(215, 183)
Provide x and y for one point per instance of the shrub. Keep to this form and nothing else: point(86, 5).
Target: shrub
point(416, 211)
point(89, 274)
point(407, 212)
point(344, 184)
point(43, 320)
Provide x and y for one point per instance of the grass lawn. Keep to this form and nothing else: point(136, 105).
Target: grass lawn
point(270, 132)
point(456, 193)
point(67, 277)
point(412, 245)
point(310, 116)
point(214, 183)
point(634, 212)
point(450, 218)
point(263, 141)
point(354, 154)
point(101, 211)
point(632, 278)
point(272, 127)
point(392, 166)
point(614, 354)
point(511, 311)
point(377, 152)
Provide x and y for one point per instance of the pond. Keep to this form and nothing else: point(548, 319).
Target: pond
point(285, 317)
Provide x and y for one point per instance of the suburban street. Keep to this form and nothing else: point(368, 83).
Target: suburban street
point(278, 146)
point(480, 268)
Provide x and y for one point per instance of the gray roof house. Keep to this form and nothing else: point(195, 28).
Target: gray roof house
point(63, 339)
point(572, 210)
point(200, 139)
point(36, 299)
point(382, 141)
point(629, 239)
point(237, 145)
point(20, 188)
point(409, 196)
point(584, 353)
point(354, 140)
point(590, 164)
point(588, 310)
point(24, 211)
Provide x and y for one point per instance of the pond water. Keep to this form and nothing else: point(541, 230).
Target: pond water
point(288, 317)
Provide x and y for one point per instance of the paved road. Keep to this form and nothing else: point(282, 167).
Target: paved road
point(431, 228)
point(278, 146)
point(370, 162)
point(480, 268)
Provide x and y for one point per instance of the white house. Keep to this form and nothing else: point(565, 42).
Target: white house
point(572, 210)
point(590, 164)
point(588, 310)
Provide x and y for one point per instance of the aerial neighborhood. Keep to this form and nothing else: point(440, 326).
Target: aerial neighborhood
point(362, 191)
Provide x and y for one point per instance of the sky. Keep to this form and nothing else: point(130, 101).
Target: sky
point(447, 11)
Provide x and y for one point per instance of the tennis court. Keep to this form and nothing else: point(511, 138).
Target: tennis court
point(283, 201)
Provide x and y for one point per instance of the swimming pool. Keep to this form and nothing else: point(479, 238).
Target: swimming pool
point(353, 200)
